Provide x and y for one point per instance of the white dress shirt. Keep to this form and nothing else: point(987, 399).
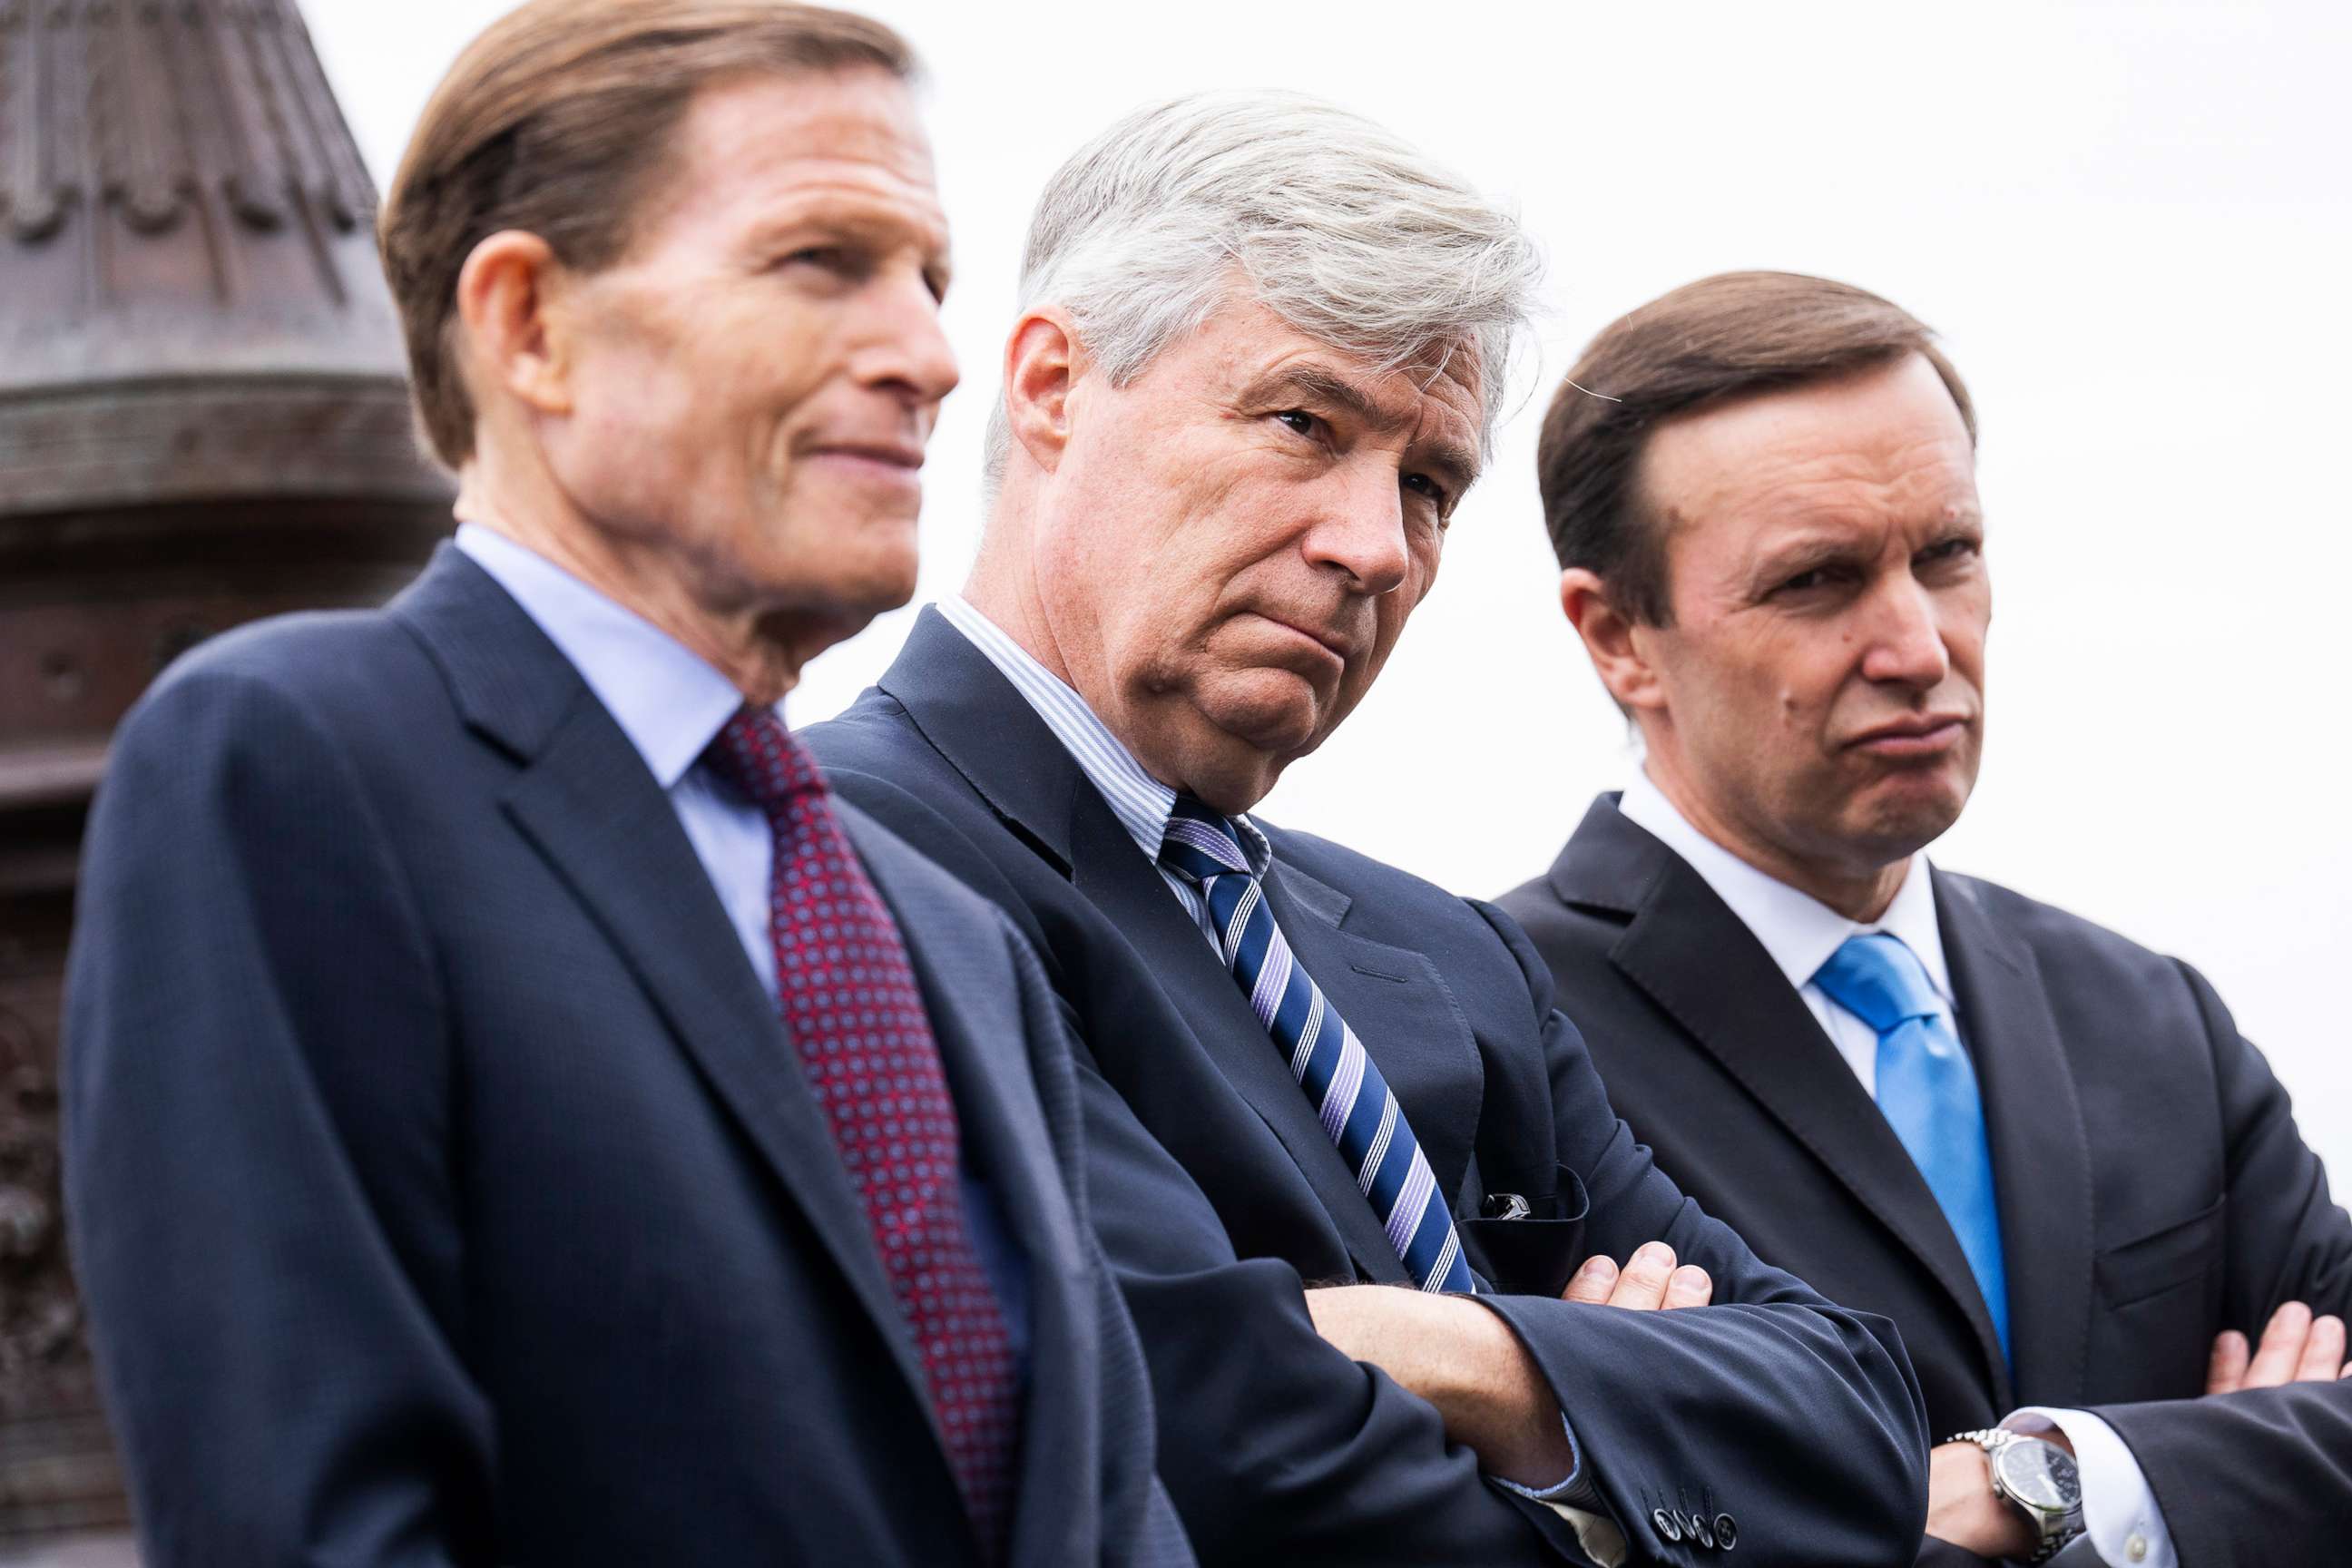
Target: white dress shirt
point(2123, 1526)
point(671, 705)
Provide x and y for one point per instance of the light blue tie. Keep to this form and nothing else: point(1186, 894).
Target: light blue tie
point(1360, 1113)
point(1927, 1091)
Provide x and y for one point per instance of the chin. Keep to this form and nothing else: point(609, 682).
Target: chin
point(1902, 823)
point(1269, 709)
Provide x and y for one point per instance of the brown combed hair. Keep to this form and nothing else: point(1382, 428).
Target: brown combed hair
point(558, 120)
point(1706, 344)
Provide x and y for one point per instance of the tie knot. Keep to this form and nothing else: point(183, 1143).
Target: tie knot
point(757, 755)
point(1200, 843)
point(1878, 980)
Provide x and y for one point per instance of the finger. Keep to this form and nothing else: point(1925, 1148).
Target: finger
point(1592, 1282)
point(2281, 1347)
point(2225, 1371)
point(2323, 1352)
point(1688, 1286)
point(1642, 1285)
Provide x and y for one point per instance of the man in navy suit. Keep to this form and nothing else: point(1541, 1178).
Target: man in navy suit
point(1260, 350)
point(2045, 1151)
point(515, 1113)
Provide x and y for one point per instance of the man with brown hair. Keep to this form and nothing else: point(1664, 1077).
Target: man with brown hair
point(2045, 1152)
point(515, 1114)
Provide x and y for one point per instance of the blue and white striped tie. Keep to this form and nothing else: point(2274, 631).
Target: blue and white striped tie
point(1358, 1112)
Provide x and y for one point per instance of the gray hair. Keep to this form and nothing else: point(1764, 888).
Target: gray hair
point(1341, 227)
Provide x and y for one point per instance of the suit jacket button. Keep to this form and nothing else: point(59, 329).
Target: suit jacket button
point(1666, 1524)
point(1727, 1532)
point(1700, 1530)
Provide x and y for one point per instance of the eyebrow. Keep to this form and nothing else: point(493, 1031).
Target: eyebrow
point(1456, 464)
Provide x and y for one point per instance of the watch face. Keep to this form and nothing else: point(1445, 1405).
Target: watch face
point(2042, 1475)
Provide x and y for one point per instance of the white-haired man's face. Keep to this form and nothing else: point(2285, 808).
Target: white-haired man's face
point(1224, 550)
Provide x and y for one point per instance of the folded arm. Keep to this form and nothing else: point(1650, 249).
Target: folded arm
point(2259, 1475)
point(1800, 1419)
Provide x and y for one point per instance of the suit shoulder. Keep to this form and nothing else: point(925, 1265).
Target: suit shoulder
point(1407, 910)
point(2063, 941)
point(873, 734)
point(1353, 871)
point(327, 667)
point(945, 904)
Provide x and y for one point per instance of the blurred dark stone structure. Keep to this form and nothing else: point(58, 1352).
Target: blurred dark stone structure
point(202, 420)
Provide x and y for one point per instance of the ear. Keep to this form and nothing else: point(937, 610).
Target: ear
point(503, 294)
point(1618, 645)
point(1042, 362)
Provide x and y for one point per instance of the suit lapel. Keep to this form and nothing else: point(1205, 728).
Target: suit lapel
point(584, 800)
point(2041, 1152)
point(984, 728)
point(976, 1017)
point(1133, 897)
point(1401, 1009)
point(1698, 961)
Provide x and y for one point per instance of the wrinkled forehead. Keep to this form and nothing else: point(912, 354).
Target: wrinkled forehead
point(1431, 401)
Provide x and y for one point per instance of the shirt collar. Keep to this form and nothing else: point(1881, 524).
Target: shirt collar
point(1141, 803)
point(1796, 929)
point(667, 699)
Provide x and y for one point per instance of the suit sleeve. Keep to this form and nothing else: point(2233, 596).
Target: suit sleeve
point(255, 1107)
point(2262, 1477)
point(1275, 1446)
point(1801, 1420)
point(1139, 1526)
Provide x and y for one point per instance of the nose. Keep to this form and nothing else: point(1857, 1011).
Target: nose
point(905, 350)
point(1906, 640)
point(1361, 531)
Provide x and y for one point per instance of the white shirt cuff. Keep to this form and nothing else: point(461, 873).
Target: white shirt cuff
point(2122, 1522)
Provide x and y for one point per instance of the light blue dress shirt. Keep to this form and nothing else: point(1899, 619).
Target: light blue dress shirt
point(671, 705)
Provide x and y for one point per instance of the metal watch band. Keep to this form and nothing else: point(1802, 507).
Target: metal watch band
point(2056, 1535)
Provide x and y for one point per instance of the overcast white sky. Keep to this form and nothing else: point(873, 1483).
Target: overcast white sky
point(2129, 221)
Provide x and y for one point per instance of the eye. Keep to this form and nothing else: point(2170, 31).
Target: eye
point(1816, 578)
point(1949, 550)
point(1299, 419)
point(1423, 484)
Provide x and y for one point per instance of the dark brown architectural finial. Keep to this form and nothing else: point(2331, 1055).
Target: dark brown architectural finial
point(203, 419)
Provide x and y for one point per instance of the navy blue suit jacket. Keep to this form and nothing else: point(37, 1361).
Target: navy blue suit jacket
point(443, 1187)
point(1216, 1190)
point(2152, 1188)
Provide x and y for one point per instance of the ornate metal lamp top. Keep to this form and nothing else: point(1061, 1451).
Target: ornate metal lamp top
point(185, 244)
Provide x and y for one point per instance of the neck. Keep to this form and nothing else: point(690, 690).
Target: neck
point(760, 653)
point(1003, 587)
point(1861, 893)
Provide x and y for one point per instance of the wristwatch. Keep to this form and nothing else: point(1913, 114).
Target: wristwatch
point(2039, 1480)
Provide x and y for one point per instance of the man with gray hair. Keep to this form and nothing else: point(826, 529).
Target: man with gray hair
point(1260, 350)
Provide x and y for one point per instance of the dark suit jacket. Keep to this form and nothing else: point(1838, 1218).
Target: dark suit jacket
point(444, 1186)
point(2152, 1187)
point(1215, 1190)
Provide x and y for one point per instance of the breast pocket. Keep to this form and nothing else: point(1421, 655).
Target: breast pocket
point(2152, 1264)
point(1537, 1254)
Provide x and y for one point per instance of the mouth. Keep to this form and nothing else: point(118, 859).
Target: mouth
point(1927, 735)
point(1332, 643)
point(890, 462)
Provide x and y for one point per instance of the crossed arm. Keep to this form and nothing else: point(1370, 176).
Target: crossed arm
point(1466, 1362)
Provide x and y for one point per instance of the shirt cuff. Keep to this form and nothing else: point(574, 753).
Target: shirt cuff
point(1575, 1490)
point(2122, 1522)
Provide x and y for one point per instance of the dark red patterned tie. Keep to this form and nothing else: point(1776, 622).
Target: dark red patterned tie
point(847, 993)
